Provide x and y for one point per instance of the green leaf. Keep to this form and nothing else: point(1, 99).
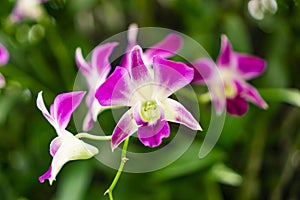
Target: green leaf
point(74, 181)
point(291, 96)
point(188, 163)
point(226, 175)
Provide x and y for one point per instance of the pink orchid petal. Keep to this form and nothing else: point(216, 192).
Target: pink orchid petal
point(203, 70)
point(54, 146)
point(116, 90)
point(46, 175)
point(66, 148)
point(125, 127)
point(41, 106)
point(132, 34)
point(225, 56)
point(176, 112)
point(249, 66)
point(81, 63)
point(152, 135)
point(219, 103)
point(237, 106)
point(4, 55)
point(137, 115)
point(64, 105)
point(166, 48)
point(252, 95)
point(171, 76)
point(88, 122)
point(100, 58)
point(138, 70)
point(94, 109)
point(132, 37)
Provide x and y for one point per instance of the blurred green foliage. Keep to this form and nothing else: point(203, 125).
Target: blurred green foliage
point(257, 156)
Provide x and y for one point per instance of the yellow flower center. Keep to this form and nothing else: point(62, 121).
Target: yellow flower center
point(230, 90)
point(150, 111)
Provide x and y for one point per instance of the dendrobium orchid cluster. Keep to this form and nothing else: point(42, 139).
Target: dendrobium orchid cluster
point(144, 82)
point(4, 57)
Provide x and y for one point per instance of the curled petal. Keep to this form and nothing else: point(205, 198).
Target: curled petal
point(46, 175)
point(166, 48)
point(237, 105)
point(116, 90)
point(63, 107)
point(225, 56)
point(4, 55)
point(41, 106)
point(249, 66)
point(81, 63)
point(152, 135)
point(176, 112)
point(69, 148)
point(170, 76)
point(125, 127)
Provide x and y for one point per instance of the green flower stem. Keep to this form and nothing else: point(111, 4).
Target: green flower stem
point(123, 161)
point(92, 137)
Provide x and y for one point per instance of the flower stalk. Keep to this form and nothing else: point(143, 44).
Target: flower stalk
point(122, 163)
point(92, 137)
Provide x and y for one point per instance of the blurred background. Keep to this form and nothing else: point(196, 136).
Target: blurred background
point(257, 155)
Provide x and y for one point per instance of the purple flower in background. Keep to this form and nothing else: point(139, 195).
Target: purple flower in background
point(95, 73)
point(27, 9)
point(146, 90)
point(65, 147)
point(235, 69)
point(4, 57)
point(165, 49)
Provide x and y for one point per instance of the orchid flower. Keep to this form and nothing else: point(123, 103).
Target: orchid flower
point(166, 48)
point(258, 8)
point(235, 69)
point(95, 73)
point(27, 9)
point(65, 147)
point(4, 57)
point(146, 90)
